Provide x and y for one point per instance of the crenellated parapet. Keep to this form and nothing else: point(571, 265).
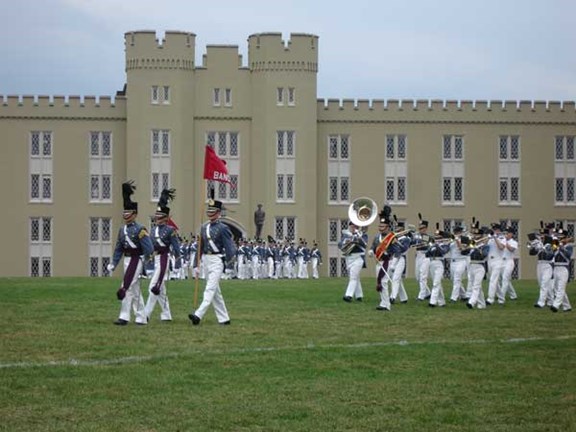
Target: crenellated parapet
point(268, 52)
point(144, 50)
point(448, 111)
point(66, 107)
point(225, 57)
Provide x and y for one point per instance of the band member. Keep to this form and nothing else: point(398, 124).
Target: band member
point(397, 267)
point(436, 251)
point(497, 244)
point(132, 243)
point(508, 263)
point(218, 250)
point(457, 266)
point(165, 240)
point(353, 245)
point(541, 247)
point(385, 246)
point(422, 263)
point(562, 255)
point(477, 250)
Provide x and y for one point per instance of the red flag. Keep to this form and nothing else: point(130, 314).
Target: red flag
point(171, 223)
point(214, 167)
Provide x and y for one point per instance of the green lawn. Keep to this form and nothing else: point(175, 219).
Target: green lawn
point(296, 358)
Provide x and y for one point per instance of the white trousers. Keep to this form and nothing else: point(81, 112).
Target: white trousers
point(161, 298)
point(560, 281)
point(544, 273)
point(495, 267)
point(133, 299)
point(422, 267)
point(212, 294)
point(398, 264)
point(457, 271)
point(507, 269)
point(314, 262)
point(477, 272)
point(354, 265)
point(436, 273)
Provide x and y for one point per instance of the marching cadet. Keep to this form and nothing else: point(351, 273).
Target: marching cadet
point(508, 263)
point(353, 245)
point(218, 251)
point(541, 247)
point(497, 244)
point(315, 260)
point(165, 240)
point(422, 262)
point(270, 257)
point(397, 266)
point(457, 266)
point(132, 242)
point(562, 255)
point(241, 259)
point(477, 249)
point(256, 260)
point(436, 251)
point(384, 247)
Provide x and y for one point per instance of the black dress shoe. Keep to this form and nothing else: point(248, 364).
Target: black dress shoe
point(553, 309)
point(431, 305)
point(404, 301)
point(195, 320)
point(359, 299)
point(469, 306)
point(141, 324)
point(382, 308)
point(120, 321)
point(225, 323)
point(392, 300)
point(166, 320)
point(347, 299)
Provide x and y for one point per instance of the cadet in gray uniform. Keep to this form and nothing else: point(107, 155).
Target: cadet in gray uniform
point(164, 238)
point(133, 241)
point(217, 249)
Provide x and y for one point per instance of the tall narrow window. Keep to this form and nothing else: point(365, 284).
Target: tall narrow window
point(509, 170)
point(40, 166)
point(396, 168)
point(226, 144)
point(99, 246)
point(40, 246)
point(339, 169)
point(564, 171)
point(285, 165)
point(100, 166)
point(160, 162)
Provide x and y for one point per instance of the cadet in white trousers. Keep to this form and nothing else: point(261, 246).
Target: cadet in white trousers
point(457, 266)
point(422, 262)
point(218, 249)
point(165, 240)
point(495, 265)
point(132, 242)
point(353, 244)
point(508, 263)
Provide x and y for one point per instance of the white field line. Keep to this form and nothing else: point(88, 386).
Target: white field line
point(309, 346)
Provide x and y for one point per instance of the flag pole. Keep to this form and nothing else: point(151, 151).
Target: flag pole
point(199, 247)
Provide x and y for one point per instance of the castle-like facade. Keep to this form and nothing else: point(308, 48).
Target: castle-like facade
point(64, 157)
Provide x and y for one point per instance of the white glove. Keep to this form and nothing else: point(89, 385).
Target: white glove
point(370, 253)
point(110, 268)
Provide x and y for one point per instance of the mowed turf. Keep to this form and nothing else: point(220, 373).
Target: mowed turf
point(296, 358)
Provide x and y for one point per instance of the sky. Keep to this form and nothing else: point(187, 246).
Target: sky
point(401, 49)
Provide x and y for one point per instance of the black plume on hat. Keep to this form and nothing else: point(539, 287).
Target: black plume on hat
point(385, 214)
point(166, 196)
point(128, 189)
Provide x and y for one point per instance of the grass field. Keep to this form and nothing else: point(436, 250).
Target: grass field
point(296, 358)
